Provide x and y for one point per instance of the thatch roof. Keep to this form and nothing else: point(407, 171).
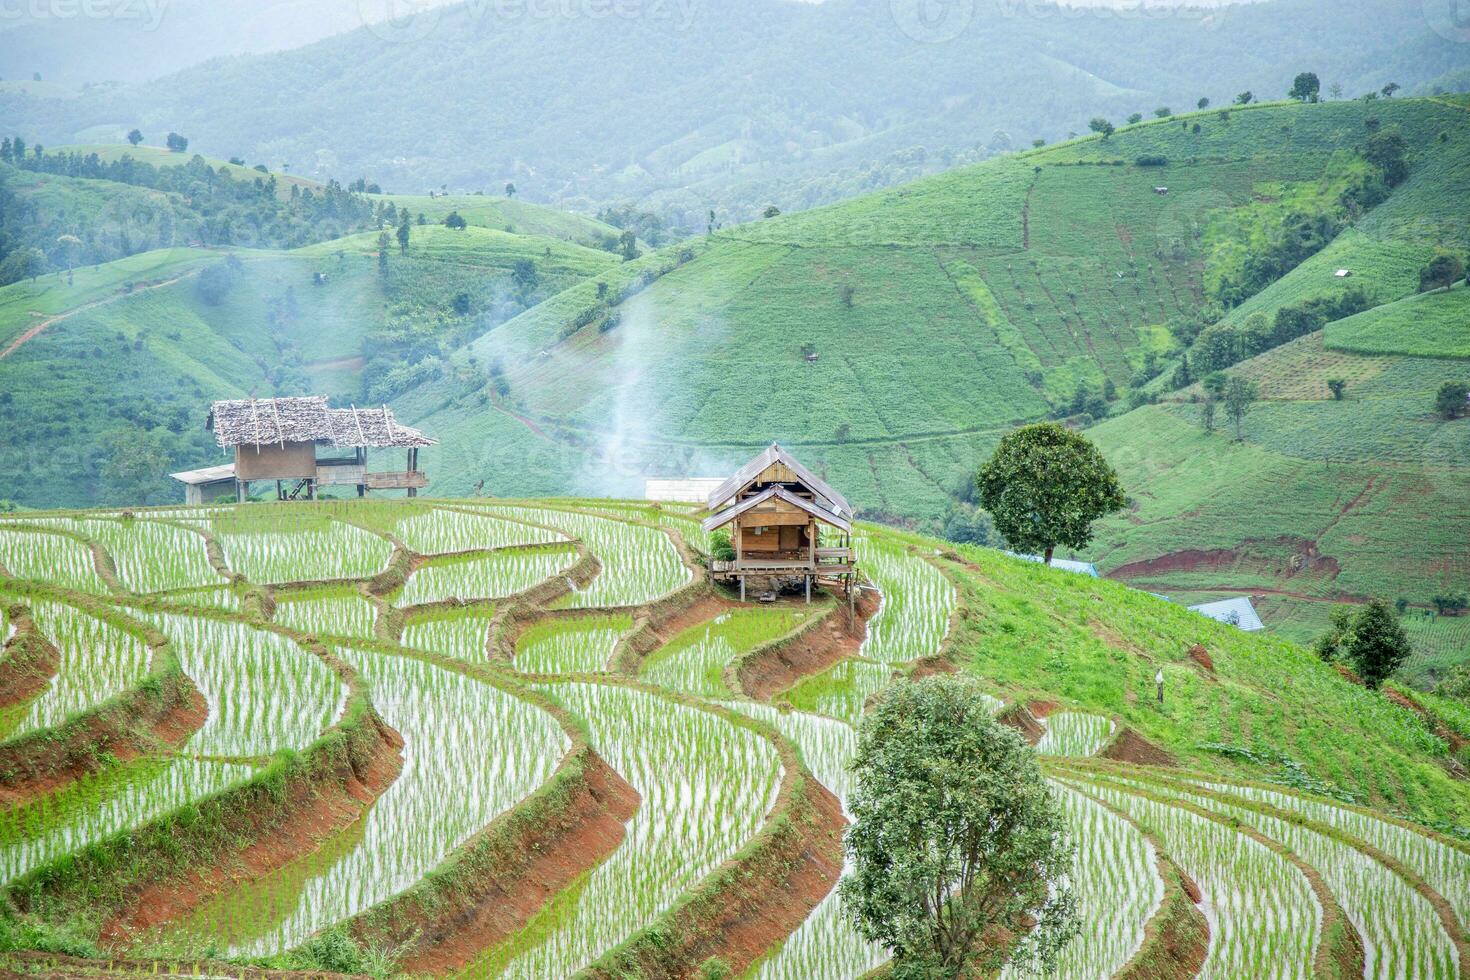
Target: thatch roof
point(746, 475)
point(267, 421)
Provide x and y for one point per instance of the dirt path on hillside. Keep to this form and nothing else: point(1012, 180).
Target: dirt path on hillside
point(35, 331)
point(535, 429)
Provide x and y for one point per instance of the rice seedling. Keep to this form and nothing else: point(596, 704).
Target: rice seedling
point(327, 612)
point(99, 806)
point(639, 564)
point(265, 693)
point(1264, 918)
point(222, 597)
point(273, 546)
point(153, 557)
point(492, 576)
point(841, 690)
point(458, 633)
point(51, 558)
point(1116, 883)
point(568, 646)
point(456, 779)
point(694, 660)
point(1402, 936)
point(440, 532)
point(1073, 733)
point(706, 786)
point(825, 944)
point(1444, 868)
point(97, 661)
point(917, 601)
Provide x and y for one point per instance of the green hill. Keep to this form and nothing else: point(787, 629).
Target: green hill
point(895, 337)
point(120, 365)
point(1435, 324)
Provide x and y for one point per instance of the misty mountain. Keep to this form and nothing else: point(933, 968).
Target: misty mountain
point(139, 40)
point(686, 106)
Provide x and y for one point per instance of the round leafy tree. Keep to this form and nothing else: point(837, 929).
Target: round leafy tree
point(957, 845)
point(1045, 486)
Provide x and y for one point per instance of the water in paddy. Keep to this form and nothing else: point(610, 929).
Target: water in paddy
point(471, 752)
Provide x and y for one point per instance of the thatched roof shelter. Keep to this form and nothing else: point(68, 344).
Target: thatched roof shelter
point(272, 421)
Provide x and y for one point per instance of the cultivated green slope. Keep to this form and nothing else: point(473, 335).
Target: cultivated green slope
point(1435, 324)
point(938, 314)
point(119, 366)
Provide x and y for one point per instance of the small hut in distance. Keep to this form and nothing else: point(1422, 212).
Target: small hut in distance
point(278, 438)
point(775, 509)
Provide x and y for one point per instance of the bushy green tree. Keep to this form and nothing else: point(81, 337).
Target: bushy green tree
point(955, 838)
point(135, 136)
point(1451, 398)
point(1377, 645)
point(1306, 87)
point(1442, 272)
point(1245, 98)
point(177, 143)
point(1371, 641)
point(1045, 486)
point(454, 220)
point(1135, 118)
point(1240, 394)
point(1100, 125)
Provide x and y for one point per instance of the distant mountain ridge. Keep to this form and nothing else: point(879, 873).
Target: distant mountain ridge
point(733, 106)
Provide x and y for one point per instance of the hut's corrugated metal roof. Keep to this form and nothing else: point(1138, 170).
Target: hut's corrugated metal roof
point(263, 421)
point(775, 454)
point(1240, 612)
point(816, 510)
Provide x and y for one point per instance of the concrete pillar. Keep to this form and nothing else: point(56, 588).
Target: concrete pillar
point(242, 490)
point(808, 590)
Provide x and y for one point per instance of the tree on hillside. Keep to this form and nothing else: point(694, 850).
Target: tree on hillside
point(177, 143)
point(1376, 646)
point(1203, 103)
point(455, 221)
point(628, 245)
point(1388, 151)
point(1240, 394)
point(1135, 118)
point(1245, 98)
point(1163, 112)
point(1442, 272)
point(23, 263)
point(1389, 89)
point(1045, 485)
point(1448, 402)
point(135, 136)
point(510, 190)
point(1338, 386)
point(1305, 87)
point(405, 233)
point(383, 253)
point(956, 838)
point(1207, 412)
point(139, 459)
point(771, 211)
point(1101, 125)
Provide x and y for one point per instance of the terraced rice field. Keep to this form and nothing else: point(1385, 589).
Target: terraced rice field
point(484, 706)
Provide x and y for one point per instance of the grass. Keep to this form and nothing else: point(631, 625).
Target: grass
point(694, 661)
point(1434, 324)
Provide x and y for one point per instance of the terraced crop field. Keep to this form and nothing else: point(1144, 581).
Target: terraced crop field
point(529, 739)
